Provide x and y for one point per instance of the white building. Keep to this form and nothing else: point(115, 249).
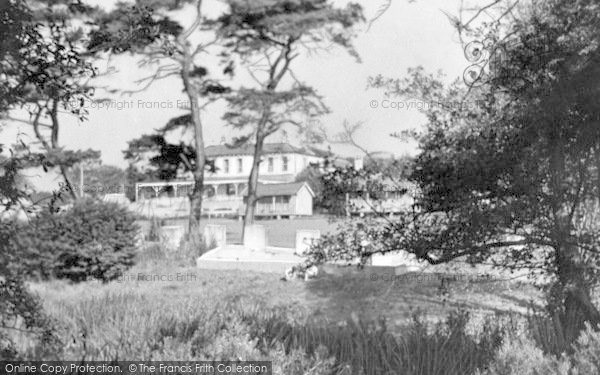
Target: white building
point(225, 188)
point(285, 199)
point(280, 163)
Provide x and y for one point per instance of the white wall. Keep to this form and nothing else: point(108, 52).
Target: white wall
point(303, 202)
point(296, 163)
point(233, 165)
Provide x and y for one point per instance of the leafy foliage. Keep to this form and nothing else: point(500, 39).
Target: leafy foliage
point(166, 161)
point(269, 35)
point(284, 107)
point(101, 179)
point(131, 27)
point(22, 312)
point(42, 69)
point(90, 240)
point(256, 26)
point(147, 29)
point(520, 355)
point(41, 57)
point(506, 178)
point(374, 180)
point(46, 72)
point(312, 175)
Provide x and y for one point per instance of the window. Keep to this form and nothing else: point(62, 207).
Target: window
point(282, 199)
point(226, 165)
point(240, 165)
point(270, 165)
point(285, 163)
point(230, 189)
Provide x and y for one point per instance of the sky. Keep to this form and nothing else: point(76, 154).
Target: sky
point(408, 34)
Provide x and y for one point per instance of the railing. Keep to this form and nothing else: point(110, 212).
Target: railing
point(214, 206)
point(217, 204)
point(224, 198)
point(274, 209)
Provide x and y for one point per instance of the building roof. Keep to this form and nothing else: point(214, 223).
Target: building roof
point(116, 198)
point(268, 148)
point(267, 190)
point(319, 152)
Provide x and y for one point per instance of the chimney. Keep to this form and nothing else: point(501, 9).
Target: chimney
point(358, 163)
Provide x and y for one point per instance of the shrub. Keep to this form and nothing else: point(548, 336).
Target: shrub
point(24, 328)
point(153, 254)
point(519, 356)
point(192, 247)
point(522, 356)
point(25, 331)
point(586, 356)
point(92, 239)
point(10, 259)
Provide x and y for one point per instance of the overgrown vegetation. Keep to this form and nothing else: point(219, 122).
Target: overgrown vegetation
point(22, 318)
point(92, 239)
point(519, 355)
point(508, 171)
point(186, 255)
point(114, 323)
point(103, 329)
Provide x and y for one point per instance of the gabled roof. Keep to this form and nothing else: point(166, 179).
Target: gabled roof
point(268, 148)
point(267, 190)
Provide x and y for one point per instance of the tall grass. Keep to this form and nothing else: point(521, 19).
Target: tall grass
point(101, 322)
point(369, 348)
point(554, 334)
point(125, 325)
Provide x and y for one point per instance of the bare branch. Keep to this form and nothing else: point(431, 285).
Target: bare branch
point(380, 12)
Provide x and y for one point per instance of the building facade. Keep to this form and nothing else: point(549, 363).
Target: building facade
point(226, 187)
point(284, 199)
point(280, 163)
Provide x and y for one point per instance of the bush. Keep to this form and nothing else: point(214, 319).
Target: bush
point(586, 356)
point(521, 356)
point(25, 331)
point(11, 261)
point(92, 239)
point(155, 254)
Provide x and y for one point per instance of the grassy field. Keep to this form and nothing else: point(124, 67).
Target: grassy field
point(331, 297)
point(342, 320)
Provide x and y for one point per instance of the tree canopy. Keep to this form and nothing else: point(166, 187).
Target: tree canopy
point(512, 178)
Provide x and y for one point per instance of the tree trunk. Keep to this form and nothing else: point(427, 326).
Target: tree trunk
point(573, 290)
point(262, 132)
point(54, 145)
point(63, 172)
point(195, 196)
point(253, 181)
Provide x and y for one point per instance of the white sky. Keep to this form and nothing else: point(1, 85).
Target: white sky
point(409, 34)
